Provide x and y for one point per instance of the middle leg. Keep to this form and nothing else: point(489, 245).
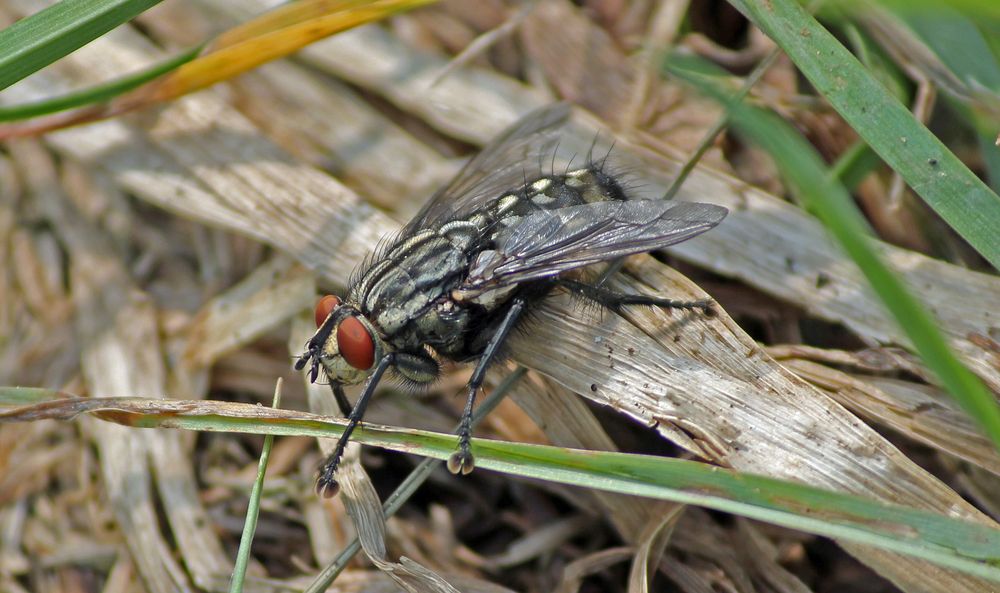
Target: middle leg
point(462, 461)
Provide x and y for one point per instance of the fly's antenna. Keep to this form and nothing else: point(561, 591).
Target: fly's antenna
point(316, 370)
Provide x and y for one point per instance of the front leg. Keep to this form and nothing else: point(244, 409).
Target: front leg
point(421, 369)
point(326, 485)
point(342, 402)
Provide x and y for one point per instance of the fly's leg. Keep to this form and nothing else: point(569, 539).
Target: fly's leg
point(462, 461)
point(616, 300)
point(342, 402)
point(326, 485)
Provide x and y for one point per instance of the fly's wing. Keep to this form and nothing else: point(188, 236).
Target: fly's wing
point(503, 165)
point(549, 242)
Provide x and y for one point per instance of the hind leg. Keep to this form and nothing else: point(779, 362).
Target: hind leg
point(616, 300)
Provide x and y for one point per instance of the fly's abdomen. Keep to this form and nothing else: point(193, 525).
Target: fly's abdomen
point(589, 184)
point(574, 188)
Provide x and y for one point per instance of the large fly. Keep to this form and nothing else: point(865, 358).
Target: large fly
point(459, 276)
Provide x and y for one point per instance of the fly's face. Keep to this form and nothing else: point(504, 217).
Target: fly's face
point(345, 344)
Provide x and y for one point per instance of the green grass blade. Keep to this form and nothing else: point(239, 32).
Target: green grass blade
point(966, 52)
point(984, 8)
point(23, 396)
point(827, 198)
point(42, 38)
point(959, 43)
point(970, 547)
point(253, 507)
point(98, 93)
point(856, 163)
point(934, 173)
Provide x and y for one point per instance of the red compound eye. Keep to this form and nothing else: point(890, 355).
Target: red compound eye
point(355, 343)
point(324, 306)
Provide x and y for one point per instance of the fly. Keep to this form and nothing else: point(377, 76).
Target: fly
point(459, 276)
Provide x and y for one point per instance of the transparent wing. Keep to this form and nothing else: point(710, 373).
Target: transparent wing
point(500, 167)
point(549, 242)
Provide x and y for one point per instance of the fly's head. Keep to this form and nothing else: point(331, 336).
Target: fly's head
point(345, 345)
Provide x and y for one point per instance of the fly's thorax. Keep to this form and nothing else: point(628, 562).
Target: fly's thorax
point(443, 326)
point(481, 267)
point(412, 275)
